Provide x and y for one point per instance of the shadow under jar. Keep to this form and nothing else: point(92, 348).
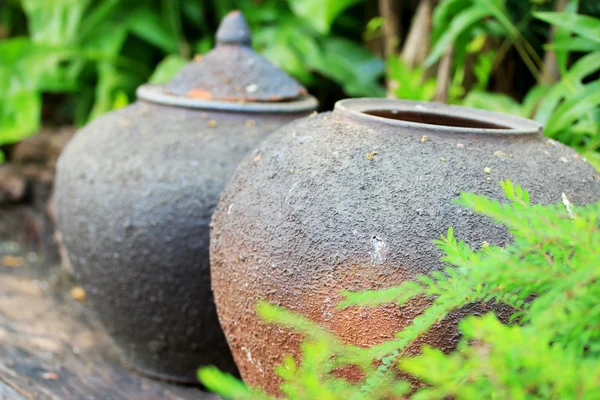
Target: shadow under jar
point(135, 193)
point(372, 186)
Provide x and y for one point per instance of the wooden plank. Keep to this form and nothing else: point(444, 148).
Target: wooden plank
point(8, 393)
point(51, 346)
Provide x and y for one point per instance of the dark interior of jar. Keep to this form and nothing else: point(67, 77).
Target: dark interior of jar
point(434, 119)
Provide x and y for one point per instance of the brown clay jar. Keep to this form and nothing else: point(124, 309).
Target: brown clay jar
point(136, 189)
point(352, 200)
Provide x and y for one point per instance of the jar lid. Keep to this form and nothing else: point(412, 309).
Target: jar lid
point(231, 73)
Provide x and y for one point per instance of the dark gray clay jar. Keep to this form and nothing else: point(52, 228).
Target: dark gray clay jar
point(136, 189)
point(352, 200)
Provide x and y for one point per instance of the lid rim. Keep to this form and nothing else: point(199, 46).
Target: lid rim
point(157, 94)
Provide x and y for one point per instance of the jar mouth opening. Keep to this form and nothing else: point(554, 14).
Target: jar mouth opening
point(436, 117)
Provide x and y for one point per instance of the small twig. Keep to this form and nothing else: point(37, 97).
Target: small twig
point(568, 206)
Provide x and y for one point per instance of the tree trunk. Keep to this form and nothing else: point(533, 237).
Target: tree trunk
point(390, 11)
point(444, 76)
point(418, 40)
point(550, 71)
point(374, 41)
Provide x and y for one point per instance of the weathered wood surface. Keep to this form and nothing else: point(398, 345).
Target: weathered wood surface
point(51, 346)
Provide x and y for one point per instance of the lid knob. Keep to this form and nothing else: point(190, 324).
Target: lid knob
point(234, 29)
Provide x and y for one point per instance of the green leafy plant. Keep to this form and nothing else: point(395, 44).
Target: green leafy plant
point(409, 84)
point(26, 69)
point(94, 53)
point(472, 41)
point(70, 42)
point(298, 37)
point(457, 22)
point(569, 109)
point(549, 275)
point(318, 13)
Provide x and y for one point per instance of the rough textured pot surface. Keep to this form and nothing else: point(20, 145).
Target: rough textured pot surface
point(135, 192)
point(348, 200)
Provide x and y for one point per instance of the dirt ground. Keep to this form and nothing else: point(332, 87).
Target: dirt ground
point(51, 346)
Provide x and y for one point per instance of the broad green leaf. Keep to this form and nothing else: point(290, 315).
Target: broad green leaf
point(574, 108)
point(373, 28)
point(320, 14)
point(583, 25)
point(483, 68)
point(585, 66)
point(108, 74)
point(288, 59)
point(291, 46)
point(352, 66)
point(27, 69)
point(459, 24)
point(193, 11)
point(171, 13)
point(54, 22)
point(85, 102)
point(443, 13)
point(108, 80)
point(477, 43)
point(306, 45)
point(532, 100)
point(167, 68)
point(589, 126)
point(121, 100)
point(573, 44)
point(270, 12)
point(149, 26)
point(497, 9)
point(494, 102)
point(593, 157)
point(19, 115)
point(95, 20)
point(409, 84)
point(563, 34)
point(34, 64)
point(224, 384)
point(204, 45)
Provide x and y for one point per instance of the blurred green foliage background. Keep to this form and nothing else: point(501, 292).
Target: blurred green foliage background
point(64, 62)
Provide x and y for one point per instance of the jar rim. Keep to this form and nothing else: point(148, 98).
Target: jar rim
point(504, 124)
